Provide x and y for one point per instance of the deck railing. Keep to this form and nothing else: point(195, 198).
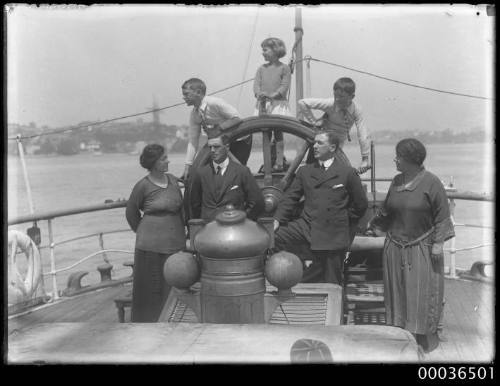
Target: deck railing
point(50, 216)
point(453, 195)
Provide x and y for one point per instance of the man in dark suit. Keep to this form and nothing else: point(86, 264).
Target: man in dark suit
point(223, 182)
point(334, 201)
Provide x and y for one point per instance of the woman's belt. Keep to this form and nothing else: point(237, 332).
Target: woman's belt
point(161, 214)
point(407, 259)
point(406, 244)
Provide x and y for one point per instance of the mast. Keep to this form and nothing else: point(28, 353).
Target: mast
point(156, 114)
point(299, 87)
point(25, 173)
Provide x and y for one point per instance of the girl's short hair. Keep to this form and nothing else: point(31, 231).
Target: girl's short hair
point(411, 150)
point(345, 84)
point(150, 154)
point(275, 44)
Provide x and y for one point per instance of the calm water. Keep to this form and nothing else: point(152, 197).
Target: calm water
point(60, 182)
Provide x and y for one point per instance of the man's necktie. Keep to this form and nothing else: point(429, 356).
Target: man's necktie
point(203, 121)
point(218, 178)
point(323, 166)
point(345, 115)
point(347, 123)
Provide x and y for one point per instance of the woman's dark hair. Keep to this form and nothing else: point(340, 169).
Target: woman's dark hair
point(150, 154)
point(411, 150)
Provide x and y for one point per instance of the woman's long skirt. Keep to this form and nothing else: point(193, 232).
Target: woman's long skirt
point(413, 287)
point(150, 291)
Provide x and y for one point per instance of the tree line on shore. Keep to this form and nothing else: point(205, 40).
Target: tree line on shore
point(126, 137)
point(107, 138)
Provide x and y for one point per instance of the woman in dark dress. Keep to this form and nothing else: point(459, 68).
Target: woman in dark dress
point(417, 220)
point(159, 232)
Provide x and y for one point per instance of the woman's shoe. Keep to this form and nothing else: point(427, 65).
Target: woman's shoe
point(432, 342)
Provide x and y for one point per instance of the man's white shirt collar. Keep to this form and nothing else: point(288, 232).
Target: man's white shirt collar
point(349, 108)
point(203, 104)
point(327, 163)
point(223, 166)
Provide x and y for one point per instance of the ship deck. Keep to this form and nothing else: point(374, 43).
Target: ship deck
point(468, 319)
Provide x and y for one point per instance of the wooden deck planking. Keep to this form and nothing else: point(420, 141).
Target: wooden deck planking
point(457, 337)
point(468, 338)
point(90, 307)
point(471, 319)
point(481, 302)
point(483, 317)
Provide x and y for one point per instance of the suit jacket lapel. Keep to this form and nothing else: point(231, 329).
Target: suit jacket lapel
point(330, 173)
point(316, 172)
point(227, 179)
point(211, 181)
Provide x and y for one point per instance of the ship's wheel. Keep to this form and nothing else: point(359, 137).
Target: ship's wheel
point(272, 183)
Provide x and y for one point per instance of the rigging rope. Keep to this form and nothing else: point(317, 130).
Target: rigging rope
point(292, 63)
point(400, 82)
point(97, 123)
point(248, 56)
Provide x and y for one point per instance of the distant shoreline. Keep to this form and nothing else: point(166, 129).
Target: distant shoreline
point(258, 146)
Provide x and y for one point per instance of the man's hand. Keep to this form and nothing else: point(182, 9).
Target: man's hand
point(365, 166)
point(185, 175)
point(276, 225)
point(228, 123)
point(373, 231)
point(318, 124)
point(436, 252)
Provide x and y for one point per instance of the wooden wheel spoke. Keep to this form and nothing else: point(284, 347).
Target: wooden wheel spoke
point(266, 149)
point(273, 184)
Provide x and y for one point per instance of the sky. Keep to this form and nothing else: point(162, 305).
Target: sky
point(68, 64)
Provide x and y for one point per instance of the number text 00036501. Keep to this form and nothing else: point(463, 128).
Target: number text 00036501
point(453, 372)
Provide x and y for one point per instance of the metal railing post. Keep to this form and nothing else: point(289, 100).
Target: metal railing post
point(25, 173)
point(55, 292)
point(453, 247)
point(373, 177)
point(308, 76)
point(101, 244)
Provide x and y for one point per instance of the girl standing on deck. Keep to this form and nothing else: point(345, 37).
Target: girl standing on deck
point(270, 87)
point(159, 232)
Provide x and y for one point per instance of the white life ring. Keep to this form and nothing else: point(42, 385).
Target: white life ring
point(23, 288)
